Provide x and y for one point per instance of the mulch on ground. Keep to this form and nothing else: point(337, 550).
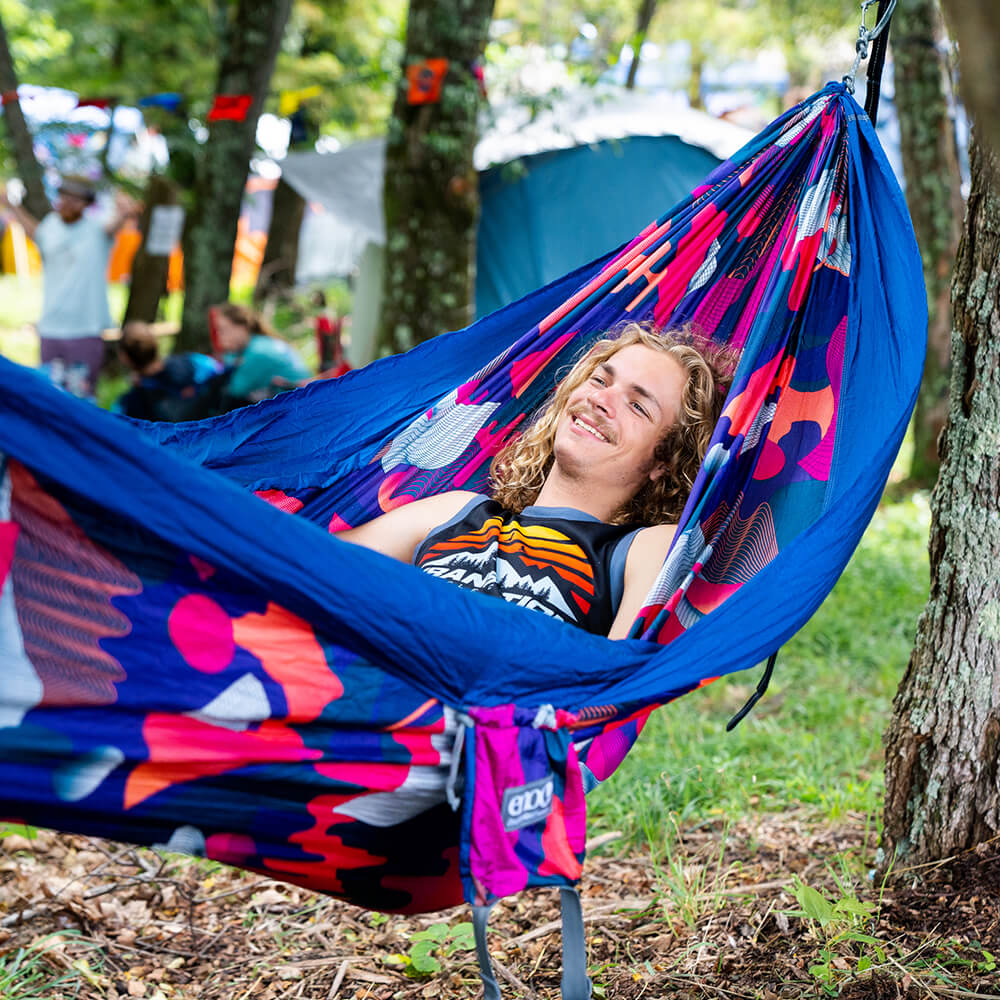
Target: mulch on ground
point(717, 918)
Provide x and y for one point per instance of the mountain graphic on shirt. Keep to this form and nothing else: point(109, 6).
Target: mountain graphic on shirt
point(534, 566)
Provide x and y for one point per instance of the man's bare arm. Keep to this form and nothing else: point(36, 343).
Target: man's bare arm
point(27, 221)
point(126, 208)
point(400, 531)
point(643, 565)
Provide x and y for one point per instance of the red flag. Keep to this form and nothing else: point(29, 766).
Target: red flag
point(230, 107)
point(425, 79)
point(94, 102)
point(8, 97)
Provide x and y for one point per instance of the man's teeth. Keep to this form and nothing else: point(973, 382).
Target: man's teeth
point(590, 430)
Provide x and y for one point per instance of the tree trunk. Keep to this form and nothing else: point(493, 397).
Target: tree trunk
point(431, 193)
point(942, 791)
point(647, 8)
point(35, 199)
point(698, 61)
point(281, 252)
point(149, 271)
point(933, 193)
point(252, 36)
point(976, 28)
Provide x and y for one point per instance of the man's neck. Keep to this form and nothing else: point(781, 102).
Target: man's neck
point(558, 491)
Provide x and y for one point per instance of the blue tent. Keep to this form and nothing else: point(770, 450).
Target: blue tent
point(562, 208)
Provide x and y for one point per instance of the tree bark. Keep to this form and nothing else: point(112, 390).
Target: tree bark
point(281, 252)
point(431, 193)
point(35, 199)
point(149, 272)
point(647, 8)
point(934, 196)
point(251, 39)
point(942, 792)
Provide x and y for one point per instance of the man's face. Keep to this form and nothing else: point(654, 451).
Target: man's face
point(70, 206)
point(612, 424)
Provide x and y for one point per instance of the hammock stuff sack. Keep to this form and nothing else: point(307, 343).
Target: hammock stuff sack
point(177, 654)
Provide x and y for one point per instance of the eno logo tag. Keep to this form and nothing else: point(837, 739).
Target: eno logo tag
point(527, 804)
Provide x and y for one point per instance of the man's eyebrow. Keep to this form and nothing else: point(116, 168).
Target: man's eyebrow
point(634, 387)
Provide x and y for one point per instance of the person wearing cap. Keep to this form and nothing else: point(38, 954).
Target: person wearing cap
point(74, 249)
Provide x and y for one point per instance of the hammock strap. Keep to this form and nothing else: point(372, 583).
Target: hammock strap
point(756, 696)
point(453, 792)
point(876, 63)
point(575, 983)
point(865, 37)
point(480, 918)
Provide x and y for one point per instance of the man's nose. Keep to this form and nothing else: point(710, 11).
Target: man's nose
point(602, 398)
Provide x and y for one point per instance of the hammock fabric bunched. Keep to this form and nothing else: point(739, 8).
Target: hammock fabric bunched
point(176, 654)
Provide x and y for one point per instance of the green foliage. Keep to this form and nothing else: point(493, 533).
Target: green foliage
point(429, 947)
point(814, 741)
point(353, 52)
point(840, 925)
point(20, 829)
point(122, 48)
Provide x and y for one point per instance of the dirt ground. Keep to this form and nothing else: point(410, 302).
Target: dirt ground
point(718, 919)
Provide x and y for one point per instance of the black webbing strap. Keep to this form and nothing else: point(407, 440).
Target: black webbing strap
point(876, 63)
point(756, 696)
point(575, 984)
point(480, 917)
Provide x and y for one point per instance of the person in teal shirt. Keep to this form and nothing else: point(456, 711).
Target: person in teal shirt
point(261, 363)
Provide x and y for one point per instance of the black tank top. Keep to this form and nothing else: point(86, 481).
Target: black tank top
point(556, 560)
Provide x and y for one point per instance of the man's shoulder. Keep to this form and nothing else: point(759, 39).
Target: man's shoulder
point(450, 504)
point(657, 533)
point(50, 223)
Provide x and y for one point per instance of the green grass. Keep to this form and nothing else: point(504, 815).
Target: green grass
point(814, 740)
point(31, 973)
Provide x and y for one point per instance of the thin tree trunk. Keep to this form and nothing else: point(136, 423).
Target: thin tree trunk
point(252, 37)
point(149, 271)
point(933, 193)
point(976, 28)
point(647, 8)
point(698, 61)
point(942, 789)
point(281, 252)
point(35, 199)
point(431, 193)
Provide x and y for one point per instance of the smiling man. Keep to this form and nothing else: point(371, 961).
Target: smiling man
point(585, 503)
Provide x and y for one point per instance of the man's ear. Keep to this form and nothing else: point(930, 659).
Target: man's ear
point(658, 471)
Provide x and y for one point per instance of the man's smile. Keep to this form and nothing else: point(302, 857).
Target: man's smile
point(587, 427)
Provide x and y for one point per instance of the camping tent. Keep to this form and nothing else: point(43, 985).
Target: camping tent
point(616, 153)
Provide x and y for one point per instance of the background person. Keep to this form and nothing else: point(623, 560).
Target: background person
point(329, 330)
point(179, 387)
point(74, 248)
point(261, 363)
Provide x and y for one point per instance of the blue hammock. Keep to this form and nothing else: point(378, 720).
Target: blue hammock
point(177, 654)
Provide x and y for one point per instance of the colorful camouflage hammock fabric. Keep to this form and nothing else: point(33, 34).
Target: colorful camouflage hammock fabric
point(176, 653)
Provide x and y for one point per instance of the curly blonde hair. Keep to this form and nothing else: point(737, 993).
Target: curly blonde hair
point(519, 470)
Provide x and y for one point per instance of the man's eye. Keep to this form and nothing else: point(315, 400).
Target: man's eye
point(639, 409)
point(597, 379)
